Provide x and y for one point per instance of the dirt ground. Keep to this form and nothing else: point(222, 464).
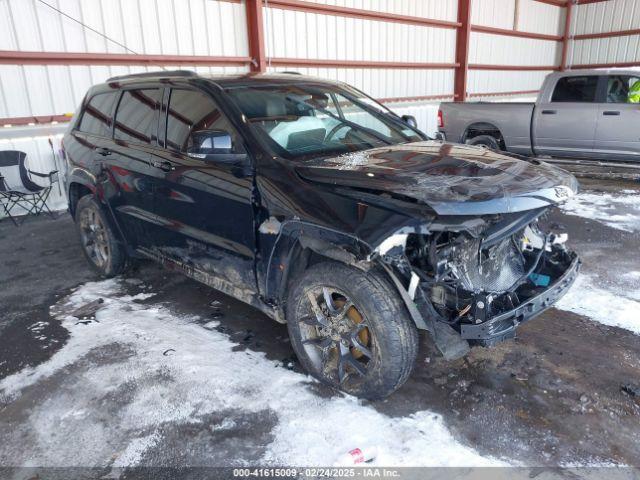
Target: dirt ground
point(553, 396)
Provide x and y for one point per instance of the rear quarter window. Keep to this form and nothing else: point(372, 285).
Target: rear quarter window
point(97, 115)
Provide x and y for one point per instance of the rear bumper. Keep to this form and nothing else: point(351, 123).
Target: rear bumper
point(503, 326)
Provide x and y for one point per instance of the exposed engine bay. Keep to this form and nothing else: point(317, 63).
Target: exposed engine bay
point(477, 281)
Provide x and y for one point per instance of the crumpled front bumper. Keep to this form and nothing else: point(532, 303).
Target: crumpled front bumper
point(503, 326)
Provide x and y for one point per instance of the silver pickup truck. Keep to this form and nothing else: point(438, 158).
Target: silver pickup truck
point(581, 113)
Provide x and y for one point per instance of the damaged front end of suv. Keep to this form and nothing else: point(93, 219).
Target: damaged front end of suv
point(481, 281)
point(475, 259)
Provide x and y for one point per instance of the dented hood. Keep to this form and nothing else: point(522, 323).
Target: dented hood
point(452, 179)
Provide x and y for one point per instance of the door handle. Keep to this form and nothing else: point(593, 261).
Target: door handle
point(164, 166)
point(103, 151)
point(549, 112)
point(611, 112)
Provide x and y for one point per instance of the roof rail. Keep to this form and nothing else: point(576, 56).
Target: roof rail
point(159, 73)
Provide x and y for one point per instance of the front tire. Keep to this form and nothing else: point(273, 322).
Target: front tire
point(350, 330)
point(102, 250)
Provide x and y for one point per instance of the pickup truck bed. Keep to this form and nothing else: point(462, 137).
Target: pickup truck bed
point(588, 114)
point(509, 123)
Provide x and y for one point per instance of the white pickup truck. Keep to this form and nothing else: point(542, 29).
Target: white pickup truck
point(580, 113)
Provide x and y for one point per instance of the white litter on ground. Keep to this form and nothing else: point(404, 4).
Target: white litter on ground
point(620, 211)
point(107, 410)
point(601, 305)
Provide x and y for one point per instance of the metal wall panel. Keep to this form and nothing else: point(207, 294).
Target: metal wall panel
point(487, 81)
point(493, 49)
point(310, 35)
point(45, 90)
point(606, 50)
point(189, 27)
point(170, 27)
point(493, 13)
point(528, 16)
point(380, 83)
point(540, 17)
point(610, 16)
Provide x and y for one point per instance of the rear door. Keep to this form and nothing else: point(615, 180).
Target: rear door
point(135, 136)
point(92, 134)
point(617, 133)
point(205, 207)
point(565, 123)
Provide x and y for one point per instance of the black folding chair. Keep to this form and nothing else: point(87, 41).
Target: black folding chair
point(18, 190)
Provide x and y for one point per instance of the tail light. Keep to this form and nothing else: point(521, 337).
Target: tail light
point(440, 119)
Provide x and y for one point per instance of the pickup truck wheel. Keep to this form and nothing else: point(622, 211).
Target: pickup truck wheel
point(486, 140)
point(350, 330)
point(101, 248)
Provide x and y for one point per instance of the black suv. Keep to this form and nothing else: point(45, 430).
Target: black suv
point(314, 203)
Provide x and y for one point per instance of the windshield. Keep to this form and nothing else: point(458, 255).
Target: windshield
point(308, 121)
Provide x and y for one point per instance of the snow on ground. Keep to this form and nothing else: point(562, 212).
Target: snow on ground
point(206, 376)
point(601, 305)
point(621, 211)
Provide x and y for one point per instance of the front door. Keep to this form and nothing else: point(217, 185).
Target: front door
point(129, 162)
point(617, 133)
point(565, 124)
point(205, 207)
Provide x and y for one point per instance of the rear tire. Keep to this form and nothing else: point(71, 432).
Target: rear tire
point(486, 140)
point(366, 329)
point(105, 254)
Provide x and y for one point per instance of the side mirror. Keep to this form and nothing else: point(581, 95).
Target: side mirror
point(214, 146)
point(410, 120)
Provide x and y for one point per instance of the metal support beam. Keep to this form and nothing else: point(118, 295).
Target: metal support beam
point(618, 33)
point(83, 58)
point(517, 68)
point(315, 62)
point(462, 50)
point(555, 3)
point(515, 33)
point(255, 29)
point(566, 37)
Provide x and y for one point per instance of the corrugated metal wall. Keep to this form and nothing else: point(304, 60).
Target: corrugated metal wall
point(218, 28)
point(211, 27)
point(487, 48)
point(189, 27)
point(610, 16)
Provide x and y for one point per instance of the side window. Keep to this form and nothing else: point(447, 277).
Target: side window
point(189, 112)
point(576, 89)
point(623, 89)
point(96, 118)
point(136, 118)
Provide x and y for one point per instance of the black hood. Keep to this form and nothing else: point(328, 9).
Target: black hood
point(451, 179)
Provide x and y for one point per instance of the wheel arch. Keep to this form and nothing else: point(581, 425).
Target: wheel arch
point(300, 245)
point(79, 183)
point(476, 129)
point(75, 191)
